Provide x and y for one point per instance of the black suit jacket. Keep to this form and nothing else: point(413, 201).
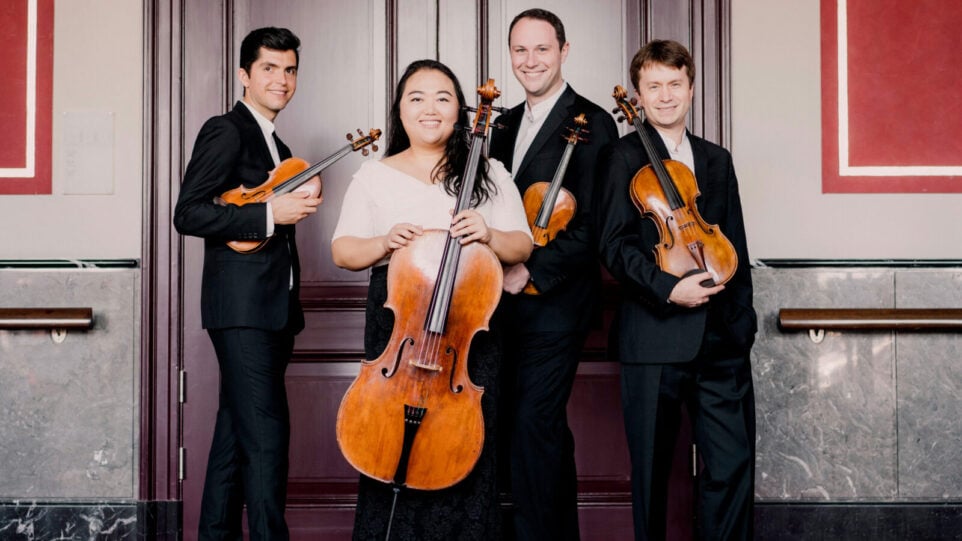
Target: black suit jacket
point(648, 329)
point(238, 290)
point(566, 270)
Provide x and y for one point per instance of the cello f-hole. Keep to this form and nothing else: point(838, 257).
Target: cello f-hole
point(389, 372)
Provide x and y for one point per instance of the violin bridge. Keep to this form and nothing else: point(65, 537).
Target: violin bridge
point(418, 364)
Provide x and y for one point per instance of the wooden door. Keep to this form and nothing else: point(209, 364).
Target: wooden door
point(351, 55)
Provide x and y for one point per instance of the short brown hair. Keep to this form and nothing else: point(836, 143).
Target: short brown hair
point(661, 51)
point(541, 15)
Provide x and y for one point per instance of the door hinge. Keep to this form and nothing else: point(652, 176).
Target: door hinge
point(694, 460)
point(182, 386)
point(181, 463)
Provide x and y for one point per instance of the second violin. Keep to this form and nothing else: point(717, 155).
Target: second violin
point(549, 207)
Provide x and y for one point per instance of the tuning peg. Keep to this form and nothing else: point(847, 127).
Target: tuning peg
point(350, 137)
point(374, 148)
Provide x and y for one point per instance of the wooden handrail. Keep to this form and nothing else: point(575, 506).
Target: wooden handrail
point(870, 318)
point(46, 318)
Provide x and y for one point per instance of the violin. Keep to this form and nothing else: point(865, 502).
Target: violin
point(289, 175)
point(665, 191)
point(412, 417)
point(548, 206)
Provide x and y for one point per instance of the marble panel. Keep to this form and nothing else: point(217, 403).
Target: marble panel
point(825, 411)
point(930, 384)
point(68, 411)
point(36, 521)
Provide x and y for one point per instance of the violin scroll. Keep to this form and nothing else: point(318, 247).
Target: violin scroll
point(625, 106)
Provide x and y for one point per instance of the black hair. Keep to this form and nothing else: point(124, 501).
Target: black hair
point(277, 39)
point(448, 171)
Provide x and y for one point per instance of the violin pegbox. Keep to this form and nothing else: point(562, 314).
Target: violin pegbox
point(364, 140)
point(578, 132)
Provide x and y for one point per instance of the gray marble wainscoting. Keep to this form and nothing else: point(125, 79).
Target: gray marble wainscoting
point(863, 423)
point(69, 411)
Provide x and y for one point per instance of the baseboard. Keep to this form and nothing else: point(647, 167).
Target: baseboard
point(82, 520)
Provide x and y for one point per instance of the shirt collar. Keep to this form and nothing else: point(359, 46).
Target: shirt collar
point(536, 113)
point(266, 125)
point(681, 152)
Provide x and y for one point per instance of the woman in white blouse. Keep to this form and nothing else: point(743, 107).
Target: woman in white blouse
point(389, 203)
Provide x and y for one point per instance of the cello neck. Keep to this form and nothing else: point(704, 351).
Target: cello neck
point(444, 285)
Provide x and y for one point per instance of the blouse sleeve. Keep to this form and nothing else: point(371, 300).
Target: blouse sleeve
point(356, 208)
point(507, 209)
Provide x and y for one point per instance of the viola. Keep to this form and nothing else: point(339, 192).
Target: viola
point(665, 191)
point(548, 206)
point(412, 417)
point(289, 175)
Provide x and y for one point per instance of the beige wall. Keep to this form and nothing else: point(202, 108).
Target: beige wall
point(776, 140)
point(777, 149)
point(98, 74)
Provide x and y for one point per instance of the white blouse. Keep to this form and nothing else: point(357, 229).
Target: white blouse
point(380, 196)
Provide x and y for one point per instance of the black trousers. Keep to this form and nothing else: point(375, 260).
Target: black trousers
point(248, 460)
point(717, 389)
point(542, 466)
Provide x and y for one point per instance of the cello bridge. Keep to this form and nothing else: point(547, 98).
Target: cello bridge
point(419, 364)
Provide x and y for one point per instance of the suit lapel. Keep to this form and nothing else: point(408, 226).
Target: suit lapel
point(507, 138)
point(282, 151)
point(656, 141)
point(701, 162)
point(255, 137)
point(556, 117)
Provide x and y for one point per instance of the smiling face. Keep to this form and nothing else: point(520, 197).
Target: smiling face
point(665, 93)
point(536, 58)
point(271, 82)
point(429, 108)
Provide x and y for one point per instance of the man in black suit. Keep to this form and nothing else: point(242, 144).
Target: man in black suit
point(249, 301)
point(680, 342)
point(545, 332)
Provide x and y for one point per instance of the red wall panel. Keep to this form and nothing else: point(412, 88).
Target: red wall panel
point(890, 99)
point(26, 97)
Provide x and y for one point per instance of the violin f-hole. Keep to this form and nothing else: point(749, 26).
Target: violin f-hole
point(453, 353)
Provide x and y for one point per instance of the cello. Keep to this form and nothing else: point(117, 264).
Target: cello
point(412, 417)
point(665, 191)
point(548, 206)
point(289, 175)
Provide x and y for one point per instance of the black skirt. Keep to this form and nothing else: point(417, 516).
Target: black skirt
point(465, 511)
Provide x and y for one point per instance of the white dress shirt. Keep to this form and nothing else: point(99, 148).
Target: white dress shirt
point(531, 123)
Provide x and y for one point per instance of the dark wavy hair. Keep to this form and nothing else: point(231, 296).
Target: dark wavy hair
point(448, 171)
point(277, 39)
